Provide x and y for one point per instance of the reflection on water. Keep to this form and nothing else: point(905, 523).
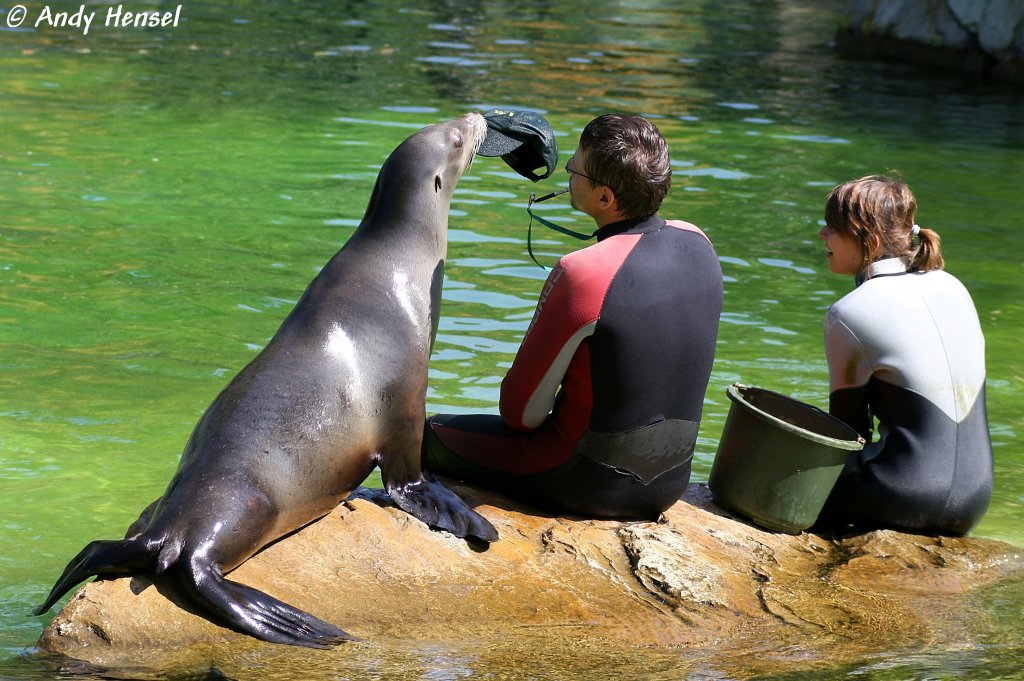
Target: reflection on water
point(168, 195)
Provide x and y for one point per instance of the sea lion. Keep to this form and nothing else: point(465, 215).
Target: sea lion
point(340, 389)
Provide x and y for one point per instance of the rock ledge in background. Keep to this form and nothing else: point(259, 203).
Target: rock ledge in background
point(981, 36)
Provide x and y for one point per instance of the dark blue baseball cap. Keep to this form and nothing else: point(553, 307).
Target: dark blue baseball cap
point(523, 139)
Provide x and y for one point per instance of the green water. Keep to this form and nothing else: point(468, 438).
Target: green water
point(166, 195)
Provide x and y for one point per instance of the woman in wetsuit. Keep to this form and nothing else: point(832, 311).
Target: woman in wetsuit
point(600, 409)
point(905, 347)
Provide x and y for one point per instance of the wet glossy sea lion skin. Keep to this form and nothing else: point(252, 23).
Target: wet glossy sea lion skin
point(339, 389)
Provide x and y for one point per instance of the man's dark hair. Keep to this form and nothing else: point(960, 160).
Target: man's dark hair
point(629, 155)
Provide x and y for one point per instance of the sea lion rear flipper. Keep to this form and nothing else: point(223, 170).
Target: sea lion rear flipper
point(253, 612)
point(104, 557)
point(431, 502)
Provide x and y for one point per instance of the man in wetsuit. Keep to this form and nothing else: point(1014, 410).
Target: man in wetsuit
point(600, 409)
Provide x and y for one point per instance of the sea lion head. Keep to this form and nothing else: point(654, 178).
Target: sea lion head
point(425, 168)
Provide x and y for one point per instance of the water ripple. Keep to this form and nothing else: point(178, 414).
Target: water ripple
point(488, 298)
point(478, 343)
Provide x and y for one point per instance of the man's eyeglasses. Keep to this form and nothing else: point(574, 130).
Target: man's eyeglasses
point(572, 171)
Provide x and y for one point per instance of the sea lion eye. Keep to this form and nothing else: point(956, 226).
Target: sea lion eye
point(437, 183)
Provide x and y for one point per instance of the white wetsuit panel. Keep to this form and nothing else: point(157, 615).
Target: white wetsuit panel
point(907, 348)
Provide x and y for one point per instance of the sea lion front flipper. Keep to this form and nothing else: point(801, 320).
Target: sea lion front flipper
point(428, 500)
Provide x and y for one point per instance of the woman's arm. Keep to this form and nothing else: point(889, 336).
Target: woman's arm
point(849, 371)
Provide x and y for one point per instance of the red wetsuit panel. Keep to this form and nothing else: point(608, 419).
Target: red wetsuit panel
point(567, 312)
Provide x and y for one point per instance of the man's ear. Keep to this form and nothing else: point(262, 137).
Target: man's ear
point(607, 199)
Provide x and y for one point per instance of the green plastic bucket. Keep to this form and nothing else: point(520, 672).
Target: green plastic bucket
point(778, 458)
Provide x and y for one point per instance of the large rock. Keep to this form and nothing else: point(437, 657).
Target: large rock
point(699, 589)
point(974, 35)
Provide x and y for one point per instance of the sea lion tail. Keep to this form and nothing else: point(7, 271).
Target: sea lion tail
point(440, 508)
point(253, 612)
point(102, 558)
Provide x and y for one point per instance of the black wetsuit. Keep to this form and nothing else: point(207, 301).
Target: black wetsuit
point(600, 409)
point(907, 347)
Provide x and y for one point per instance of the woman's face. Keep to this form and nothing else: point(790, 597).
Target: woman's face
point(844, 252)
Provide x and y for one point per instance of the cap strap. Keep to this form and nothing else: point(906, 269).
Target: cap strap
point(582, 236)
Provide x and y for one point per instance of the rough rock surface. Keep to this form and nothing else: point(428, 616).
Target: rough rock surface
point(701, 583)
point(975, 35)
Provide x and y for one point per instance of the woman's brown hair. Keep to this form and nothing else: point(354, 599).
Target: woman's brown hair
point(879, 211)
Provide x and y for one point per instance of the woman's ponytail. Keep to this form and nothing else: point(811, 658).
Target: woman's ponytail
point(928, 255)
